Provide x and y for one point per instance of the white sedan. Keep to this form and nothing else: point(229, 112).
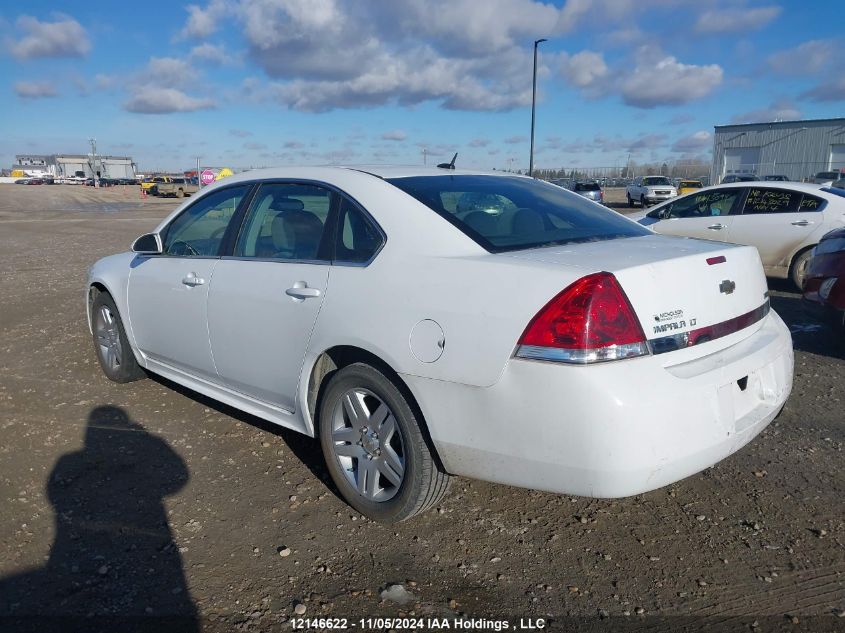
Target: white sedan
point(783, 220)
point(422, 331)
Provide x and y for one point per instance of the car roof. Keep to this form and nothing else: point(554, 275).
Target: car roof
point(772, 184)
point(320, 172)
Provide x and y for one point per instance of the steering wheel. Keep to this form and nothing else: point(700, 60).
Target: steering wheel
point(181, 247)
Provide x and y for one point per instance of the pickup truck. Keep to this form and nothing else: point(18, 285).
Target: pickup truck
point(648, 190)
point(177, 187)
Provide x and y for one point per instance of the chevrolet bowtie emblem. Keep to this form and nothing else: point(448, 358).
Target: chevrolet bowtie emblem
point(727, 286)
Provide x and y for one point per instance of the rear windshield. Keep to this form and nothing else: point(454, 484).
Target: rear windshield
point(587, 186)
point(656, 180)
point(506, 213)
point(690, 183)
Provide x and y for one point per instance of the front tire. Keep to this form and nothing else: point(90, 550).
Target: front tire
point(630, 202)
point(643, 202)
point(116, 357)
point(374, 447)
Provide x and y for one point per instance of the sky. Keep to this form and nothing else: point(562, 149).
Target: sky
point(250, 83)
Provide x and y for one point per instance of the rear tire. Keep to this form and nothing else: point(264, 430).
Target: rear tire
point(111, 345)
point(798, 269)
point(374, 447)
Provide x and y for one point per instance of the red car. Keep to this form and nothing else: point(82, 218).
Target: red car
point(824, 282)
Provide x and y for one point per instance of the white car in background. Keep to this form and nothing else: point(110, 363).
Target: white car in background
point(427, 322)
point(783, 220)
point(649, 190)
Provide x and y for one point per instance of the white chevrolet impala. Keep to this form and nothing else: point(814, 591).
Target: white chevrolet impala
point(424, 323)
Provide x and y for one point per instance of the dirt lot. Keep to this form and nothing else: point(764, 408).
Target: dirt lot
point(149, 502)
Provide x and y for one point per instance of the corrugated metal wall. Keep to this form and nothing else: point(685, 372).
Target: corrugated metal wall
point(796, 149)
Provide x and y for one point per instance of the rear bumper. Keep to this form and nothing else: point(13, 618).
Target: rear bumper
point(614, 429)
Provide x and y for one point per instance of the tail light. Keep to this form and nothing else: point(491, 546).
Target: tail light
point(590, 321)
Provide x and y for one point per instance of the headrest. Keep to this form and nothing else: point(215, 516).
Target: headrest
point(286, 204)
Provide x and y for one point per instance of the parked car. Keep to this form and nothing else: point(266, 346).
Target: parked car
point(34, 181)
point(420, 337)
point(688, 186)
point(731, 178)
point(783, 220)
point(22, 181)
point(824, 285)
point(775, 178)
point(589, 189)
point(650, 190)
point(826, 178)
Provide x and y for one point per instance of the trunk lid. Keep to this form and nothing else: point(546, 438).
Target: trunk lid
point(676, 286)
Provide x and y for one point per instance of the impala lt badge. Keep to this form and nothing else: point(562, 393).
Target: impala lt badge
point(727, 286)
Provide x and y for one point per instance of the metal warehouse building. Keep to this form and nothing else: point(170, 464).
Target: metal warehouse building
point(85, 165)
point(795, 149)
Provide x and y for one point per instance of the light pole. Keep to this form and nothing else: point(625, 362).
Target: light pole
point(533, 108)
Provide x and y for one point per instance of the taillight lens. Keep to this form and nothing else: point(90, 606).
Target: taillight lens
point(588, 322)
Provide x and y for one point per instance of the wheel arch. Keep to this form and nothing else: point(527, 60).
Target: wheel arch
point(95, 288)
point(792, 260)
point(336, 358)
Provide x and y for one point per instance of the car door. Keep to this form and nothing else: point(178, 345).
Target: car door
point(168, 293)
point(777, 221)
point(265, 296)
point(706, 214)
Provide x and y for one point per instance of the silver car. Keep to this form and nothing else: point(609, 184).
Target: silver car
point(590, 189)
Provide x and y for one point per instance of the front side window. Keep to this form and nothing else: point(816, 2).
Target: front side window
point(358, 240)
point(286, 221)
point(505, 213)
point(702, 205)
point(199, 229)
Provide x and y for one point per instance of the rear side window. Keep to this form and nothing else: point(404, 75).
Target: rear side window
point(762, 200)
point(358, 240)
point(286, 221)
point(506, 213)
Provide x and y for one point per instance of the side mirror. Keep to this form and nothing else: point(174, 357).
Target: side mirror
point(149, 244)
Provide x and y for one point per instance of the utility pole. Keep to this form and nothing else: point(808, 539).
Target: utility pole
point(533, 108)
point(425, 159)
point(94, 173)
point(199, 179)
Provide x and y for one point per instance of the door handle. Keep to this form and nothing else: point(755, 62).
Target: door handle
point(301, 291)
point(801, 223)
point(716, 227)
point(192, 280)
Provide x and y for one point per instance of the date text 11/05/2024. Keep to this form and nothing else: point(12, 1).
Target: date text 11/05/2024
point(418, 624)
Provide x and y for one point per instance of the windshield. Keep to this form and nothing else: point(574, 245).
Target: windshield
point(656, 180)
point(587, 186)
point(506, 213)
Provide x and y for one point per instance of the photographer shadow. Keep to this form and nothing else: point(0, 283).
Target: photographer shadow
point(114, 564)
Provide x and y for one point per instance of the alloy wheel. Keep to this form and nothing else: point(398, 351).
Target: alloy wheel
point(367, 443)
point(107, 332)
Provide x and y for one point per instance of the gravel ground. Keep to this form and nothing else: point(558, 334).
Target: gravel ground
point(145, 506)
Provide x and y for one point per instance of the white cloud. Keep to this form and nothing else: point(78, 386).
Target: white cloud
point(211, 54)
point(35, 89)
point(394, 135)
point(658, 80)
point(694, 143)
point(479, 142)
point(781, 110)
point(202, 22)
point(738, 20)
point(160, 100)
point(810, 57)
point(240, 133)
point(515, 140)
point(63, 38)
point(252, 145)
point(584, 69)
